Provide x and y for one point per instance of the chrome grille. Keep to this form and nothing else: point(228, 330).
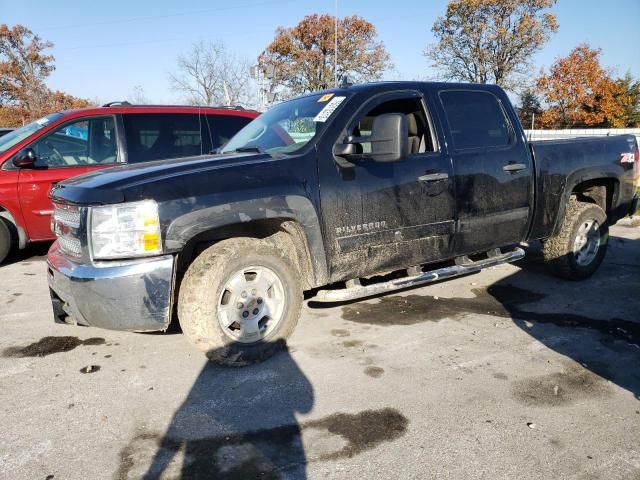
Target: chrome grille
point(70, 245)
point(68, 215)
point(65, 223)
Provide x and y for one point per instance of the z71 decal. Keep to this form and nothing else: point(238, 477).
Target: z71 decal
point(627, 157)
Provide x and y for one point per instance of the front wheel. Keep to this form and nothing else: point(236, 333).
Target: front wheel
point(239, 301)
point(580, 246)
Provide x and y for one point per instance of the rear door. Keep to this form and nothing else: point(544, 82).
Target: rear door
point(77, 147)
point(492, 168)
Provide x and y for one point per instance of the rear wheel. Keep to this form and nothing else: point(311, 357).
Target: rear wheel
point(239, 301)
point(6, 239)
point(580, 246)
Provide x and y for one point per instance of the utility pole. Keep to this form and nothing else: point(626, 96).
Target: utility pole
point(335, 50)
point(533, 122)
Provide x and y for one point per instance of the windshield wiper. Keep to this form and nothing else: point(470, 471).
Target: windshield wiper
point(247, 149)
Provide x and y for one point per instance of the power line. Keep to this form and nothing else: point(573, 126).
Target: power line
point(122, 44)
point(170, 15)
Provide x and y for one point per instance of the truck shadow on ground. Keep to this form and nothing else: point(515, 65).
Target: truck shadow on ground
point(233, 424)
point(594, 322)
point(240, 424)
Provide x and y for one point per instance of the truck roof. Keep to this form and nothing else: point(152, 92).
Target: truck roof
point(375, 87)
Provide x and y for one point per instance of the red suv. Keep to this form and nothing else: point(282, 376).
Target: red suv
point(66, 144)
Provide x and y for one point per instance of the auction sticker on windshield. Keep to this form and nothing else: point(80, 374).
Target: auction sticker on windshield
point(328, 109)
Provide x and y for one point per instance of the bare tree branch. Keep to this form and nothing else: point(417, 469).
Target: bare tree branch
point(210, 75)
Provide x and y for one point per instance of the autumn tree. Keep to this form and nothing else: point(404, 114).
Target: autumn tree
point(211, 75)
point(23, 69)
point(528, 108)
point(303, 57)
point(57, 101)
point(490, 41)
point(579, 91)
point(11, 116)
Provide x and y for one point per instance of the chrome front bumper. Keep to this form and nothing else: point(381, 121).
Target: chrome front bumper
point(129, 295)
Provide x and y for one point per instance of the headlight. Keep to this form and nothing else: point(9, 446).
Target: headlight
point(125, 230)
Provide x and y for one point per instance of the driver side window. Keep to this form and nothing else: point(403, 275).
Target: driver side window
point(81, 143)
point(419, 131)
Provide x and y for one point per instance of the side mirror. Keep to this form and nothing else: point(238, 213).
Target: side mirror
point(389, 140)
point(25, 158)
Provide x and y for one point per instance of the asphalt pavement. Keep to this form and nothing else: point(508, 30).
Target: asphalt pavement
point(506, 374)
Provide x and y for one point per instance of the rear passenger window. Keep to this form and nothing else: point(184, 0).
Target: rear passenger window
point(160, 136)
point(476, 119)
point(223, 127)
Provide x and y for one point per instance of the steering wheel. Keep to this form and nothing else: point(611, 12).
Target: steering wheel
point(56, 157)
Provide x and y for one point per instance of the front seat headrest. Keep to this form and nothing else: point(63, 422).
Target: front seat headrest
point(412, 124)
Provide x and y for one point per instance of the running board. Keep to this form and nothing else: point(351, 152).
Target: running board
point(467, 266)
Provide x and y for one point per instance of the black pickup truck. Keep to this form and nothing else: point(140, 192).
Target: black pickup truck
point(322, 193)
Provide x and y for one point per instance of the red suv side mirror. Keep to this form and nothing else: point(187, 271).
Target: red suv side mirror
point(25, 158)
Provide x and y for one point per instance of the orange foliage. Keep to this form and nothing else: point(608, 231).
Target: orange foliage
point(12, 116)
point(24, 67)
point(579, 91)
point(303, 56)
point(58, 100)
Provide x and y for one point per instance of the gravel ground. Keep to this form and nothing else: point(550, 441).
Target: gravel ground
point(505, 374)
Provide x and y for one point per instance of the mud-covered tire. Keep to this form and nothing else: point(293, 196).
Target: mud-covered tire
point(6, 239)
point(560, 251)
point(205, 285)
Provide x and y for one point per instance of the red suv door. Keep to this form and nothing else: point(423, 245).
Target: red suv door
point(74, 148)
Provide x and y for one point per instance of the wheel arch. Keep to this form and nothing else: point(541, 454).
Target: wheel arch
point(599, 189)
point(21, 236)
point(287, 221)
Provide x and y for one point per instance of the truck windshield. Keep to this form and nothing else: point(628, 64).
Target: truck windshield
point(287, 127)
point(15, 137)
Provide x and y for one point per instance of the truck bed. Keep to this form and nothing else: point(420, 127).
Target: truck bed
point(561, 165)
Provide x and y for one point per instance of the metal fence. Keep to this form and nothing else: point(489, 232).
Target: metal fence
point(580, 132)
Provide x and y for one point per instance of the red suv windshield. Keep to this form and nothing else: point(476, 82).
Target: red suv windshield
point(15, 137)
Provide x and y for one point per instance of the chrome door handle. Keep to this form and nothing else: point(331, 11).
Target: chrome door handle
point(514, 167)
point(433, 177)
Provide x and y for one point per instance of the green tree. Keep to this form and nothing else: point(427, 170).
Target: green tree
point(490, 41)
point(629, 98)
point(528, 107)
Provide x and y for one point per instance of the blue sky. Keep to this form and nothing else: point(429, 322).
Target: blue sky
point(105, 48)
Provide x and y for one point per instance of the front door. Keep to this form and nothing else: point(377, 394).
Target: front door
point(493, 171)
point(70, 150)
point(381, 217)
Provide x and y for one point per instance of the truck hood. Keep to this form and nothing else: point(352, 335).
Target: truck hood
point(108, 186)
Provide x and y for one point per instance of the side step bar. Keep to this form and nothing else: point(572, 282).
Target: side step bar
point(358, 291)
